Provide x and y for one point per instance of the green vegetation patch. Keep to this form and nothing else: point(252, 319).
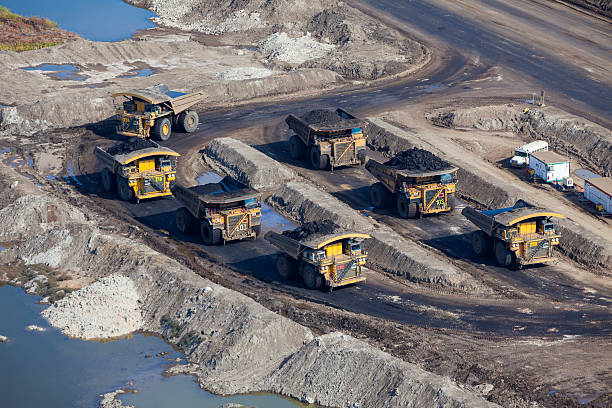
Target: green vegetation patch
point(171, 327)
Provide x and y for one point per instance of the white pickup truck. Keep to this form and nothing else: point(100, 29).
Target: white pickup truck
point(521, 154)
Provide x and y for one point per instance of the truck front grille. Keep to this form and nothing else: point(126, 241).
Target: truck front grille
point(438, 203)
point(340, 148)
point(346, 270)
point(233, 221)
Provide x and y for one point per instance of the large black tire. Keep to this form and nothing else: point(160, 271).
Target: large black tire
point(312, 279)
point(450, 201)
point(184, 221)
point(126, 193)
point(108, 180)
point(162, 129)
point(189, 121)
point(210, 235)
point(257, 229)
point(503, 255)
point(481, 243)
point(361, 156)
point(286, 266)
point(319, 161)
point(404, 207)
point(379, 195)
point(297, 148)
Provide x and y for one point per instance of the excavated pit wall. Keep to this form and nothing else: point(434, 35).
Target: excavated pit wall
point(575, 242)
point(234, 344)
point(303, 202)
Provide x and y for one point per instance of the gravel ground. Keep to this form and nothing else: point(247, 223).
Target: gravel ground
point(240, 73)
point(281, 47)
point(107, 308)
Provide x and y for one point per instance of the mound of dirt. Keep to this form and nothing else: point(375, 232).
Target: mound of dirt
point(417, 159)
point(311, 228)
point(132, 145)
point(327, 118)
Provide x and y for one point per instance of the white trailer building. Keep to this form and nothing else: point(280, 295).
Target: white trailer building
point(599, 191)
point(549, 166)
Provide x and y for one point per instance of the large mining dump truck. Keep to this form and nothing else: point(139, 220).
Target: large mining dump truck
point(330, 138)
point(522, 233)
point(138, 169)
point(223, 211)
point(320, 255)
point(151, 112)
point(415, 182)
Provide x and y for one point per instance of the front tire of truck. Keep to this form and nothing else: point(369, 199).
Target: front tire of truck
point(481, 243)
point(503, 255)
point(126, 193)
point(162, 129)
point(184, 221)
point(210, 235)
point(379, 196)
point(405, 208)
point(297, 148)
point(361, 156)
point(312, 279)
point(189, 121)
point(285, 266)
point(319, 161)
point(450, 201)
point(108, 180)
point(257, 230)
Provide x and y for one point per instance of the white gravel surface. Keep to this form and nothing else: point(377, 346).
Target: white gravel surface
point(107, 308)
point(281, 47)
point(240, 73)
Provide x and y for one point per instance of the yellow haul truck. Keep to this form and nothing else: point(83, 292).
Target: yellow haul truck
point(330, 260)
point(140, 169)
point(329, 138)
point(151, 112)
point(223, 211)
point(522, 233)
point(413, 190)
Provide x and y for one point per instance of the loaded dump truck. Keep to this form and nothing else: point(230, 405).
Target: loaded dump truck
point(223, 211)
point(415, 182)
point(152, 112)
point(138, 169)
point(329, 138)
point(320, 255)
point(522, 233)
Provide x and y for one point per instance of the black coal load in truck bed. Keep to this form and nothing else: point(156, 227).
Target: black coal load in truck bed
point(416, 159)
point(311, 228)
point(130, 146)
point(324, 118)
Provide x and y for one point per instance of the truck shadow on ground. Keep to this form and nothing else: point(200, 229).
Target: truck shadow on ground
point(279, 151)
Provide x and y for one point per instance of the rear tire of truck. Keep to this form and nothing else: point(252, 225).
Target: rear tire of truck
point(503, 256)
point(126, 193)
point(297, 148)
point(184, 221)
point(450, 201)
point(405, 208)
point(319, 161)
point(210, 235)
point(189, 121)
point(481, 243)
point(312, 279)
point(286, 266)
point(108, 180)
point(162, 129)
point(379, 195)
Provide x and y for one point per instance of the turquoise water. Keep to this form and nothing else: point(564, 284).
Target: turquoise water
point(62, 71)
point(50, 370)
point(106, 20)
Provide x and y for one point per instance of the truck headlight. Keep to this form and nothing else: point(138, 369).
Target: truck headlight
point(218, 220)
point(324, 268)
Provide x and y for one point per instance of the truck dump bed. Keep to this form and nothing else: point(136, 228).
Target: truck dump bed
point(160, 94)
point(324, 123)
point(395, 175)
point(224, 193)
point(121, 154)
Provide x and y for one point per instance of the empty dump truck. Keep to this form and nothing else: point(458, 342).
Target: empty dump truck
point(323, 258)
point(223, 211)
point(138, 169)
point(151, 112)
point(522, 233)
point(329, 138)
point(415, 182)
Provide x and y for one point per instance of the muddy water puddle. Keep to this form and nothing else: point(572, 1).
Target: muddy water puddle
point(108, 20)
point(144, 72)
point(65, 72)
point(68, 372)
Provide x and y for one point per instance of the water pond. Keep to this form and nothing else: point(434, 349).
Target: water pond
point(108, 20)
